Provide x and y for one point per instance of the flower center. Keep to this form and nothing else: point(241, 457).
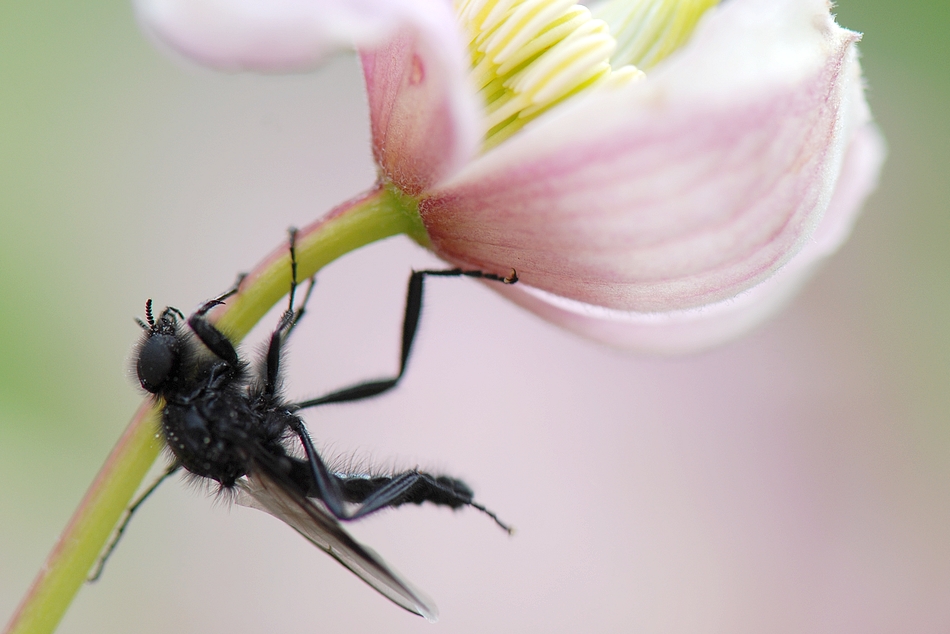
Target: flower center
point(530, 55)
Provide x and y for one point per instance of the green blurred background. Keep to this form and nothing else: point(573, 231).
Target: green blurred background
point(126, 175)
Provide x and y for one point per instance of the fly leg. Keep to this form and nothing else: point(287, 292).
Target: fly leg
point(100, 565)
point(287, 323)
point(410, 324)
point(374, 494)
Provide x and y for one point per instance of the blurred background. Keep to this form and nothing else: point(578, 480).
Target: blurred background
point(797, 480)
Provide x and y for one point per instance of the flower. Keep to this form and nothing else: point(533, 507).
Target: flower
point(666, 210)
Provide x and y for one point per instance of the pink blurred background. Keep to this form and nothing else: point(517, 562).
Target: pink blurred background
point(797, 480)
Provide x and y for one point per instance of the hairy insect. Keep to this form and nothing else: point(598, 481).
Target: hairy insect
point(227, 422)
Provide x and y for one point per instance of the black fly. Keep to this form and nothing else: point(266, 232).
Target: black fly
point(223, 421)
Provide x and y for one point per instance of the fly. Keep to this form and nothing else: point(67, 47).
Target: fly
point(229, 423)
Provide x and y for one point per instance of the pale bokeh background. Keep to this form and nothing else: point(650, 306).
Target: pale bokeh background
point(795, 481)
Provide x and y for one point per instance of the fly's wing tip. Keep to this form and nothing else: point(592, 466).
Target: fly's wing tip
point(371, 568)
point(431, 614)
point(266, 494)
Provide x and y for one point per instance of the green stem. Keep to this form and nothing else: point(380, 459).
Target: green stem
point(380, 213)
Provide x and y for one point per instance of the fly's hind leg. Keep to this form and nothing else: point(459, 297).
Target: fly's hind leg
point(410, 324)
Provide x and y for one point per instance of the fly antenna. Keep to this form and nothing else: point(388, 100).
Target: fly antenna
point(148, 314)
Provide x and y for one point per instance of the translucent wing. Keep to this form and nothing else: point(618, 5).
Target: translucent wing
point(266, 490)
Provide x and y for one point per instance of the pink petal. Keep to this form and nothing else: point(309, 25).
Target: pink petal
point(424, 117)
point(694, 329)
point(679, 191)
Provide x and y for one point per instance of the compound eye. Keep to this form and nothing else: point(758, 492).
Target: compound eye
point(157, 360)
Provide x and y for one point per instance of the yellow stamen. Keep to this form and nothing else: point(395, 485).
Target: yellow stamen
point(649, 30)
point(529, 55)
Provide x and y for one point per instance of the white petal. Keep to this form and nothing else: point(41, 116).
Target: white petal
point(425, 118)
point(283, 35)
point(426, 121)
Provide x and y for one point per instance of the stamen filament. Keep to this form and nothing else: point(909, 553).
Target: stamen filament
point(528, 55)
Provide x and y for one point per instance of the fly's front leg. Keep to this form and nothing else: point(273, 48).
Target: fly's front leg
point(214, 339)
point(287, 323)
point(210, 336)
